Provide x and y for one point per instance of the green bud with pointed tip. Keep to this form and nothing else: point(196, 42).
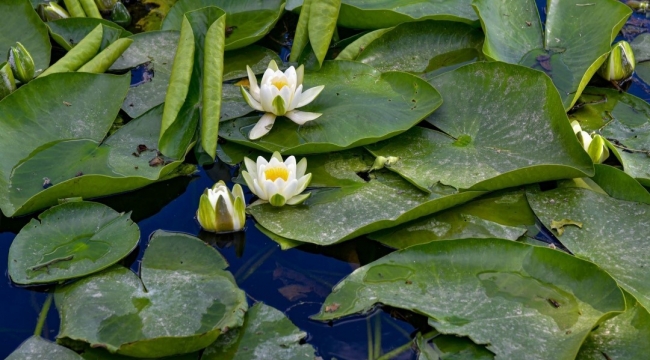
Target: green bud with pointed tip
point(52, 11)
point(21, 63)
point(121, 15)
point(222, 210)
point(105, 6)
point(598, 150)
point(620, 63)
point(7, 82)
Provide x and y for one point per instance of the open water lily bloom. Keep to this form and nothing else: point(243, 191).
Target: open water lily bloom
point(279, 94)
point(276, 181)
point(221, 210)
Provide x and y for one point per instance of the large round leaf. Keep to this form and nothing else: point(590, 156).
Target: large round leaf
point(20, 23)
point(360, 106)
point(526, 302)
point(266, 334)
point(181, 303)
point(248, 20)
point(489, 137)
point(623, 119)
point(376, 14)
point(423, 46)
point(71, 240)
point(569, 49)
point(344, 206)
point(612, 233)
point(37, 348)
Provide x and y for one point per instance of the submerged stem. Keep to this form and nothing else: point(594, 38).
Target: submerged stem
point(43, 315)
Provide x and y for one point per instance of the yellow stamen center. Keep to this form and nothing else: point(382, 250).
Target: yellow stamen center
point(276, 172)
point(280, 82)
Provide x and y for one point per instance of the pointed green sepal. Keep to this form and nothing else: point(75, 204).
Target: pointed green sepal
point(298, 199)
point(206, 215)
point(7, 82)
point(240, 212)
point(279, 107)
point(598, 151)
point(224, 217)
point(21, 63)
point(277, 200)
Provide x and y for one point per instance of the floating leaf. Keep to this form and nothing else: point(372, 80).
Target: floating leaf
point(69, 32)
point(503, 215)
point(181, 303)
point(641, 48)
point(494, 291)
point(322, 25)
point(37, 348)
point(20, 23)
point(369, 105)
point(344, 206)
point(266, 334)
point(451, 347)
point(568, 53)
point(257, 57)
point(614, 232)
point(490, 148)
point(70, 241)
point(249, 20)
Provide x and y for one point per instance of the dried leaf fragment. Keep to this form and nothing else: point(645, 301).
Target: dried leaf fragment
point(559, 225)
point(332, 308)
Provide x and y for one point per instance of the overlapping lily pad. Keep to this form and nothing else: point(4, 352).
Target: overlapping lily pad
point(641, 47)
point(567, 52)
point(20, 23)
point(266, 334)
point(487, 146)
point(623, 119)
point(376, 14)
point(344, 205)
point(503, 215)
point(69, 32)
point(248, 20)
point(451, 347)
point(37, 348)
point(71, 240)
point(517, 298)
point(360, 106)
point(421, 47)
point(613, 232)
point(183, 300)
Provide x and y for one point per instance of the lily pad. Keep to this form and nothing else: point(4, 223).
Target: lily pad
point(37, 348)
point(183, 300)
point(614, 232)
point(488, 137)
point(343, 205)
point(69, 32)
point(623, 337)
point(449, 347)
point(517, 298)
point(102, 354)
point(502, 215)
point(369, 106)
point(266, 334)
point(20, 23)
point(249, 20)
point(376, 14)
point(641, 48)
point(71, 240)
point(570, 48)
point(623, 119)
point(424, 46)
point(257, 57)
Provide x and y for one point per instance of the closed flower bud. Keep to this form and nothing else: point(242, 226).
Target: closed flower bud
point(620, 63)
point(21, 63)
point(7, 83)
point(121, 15)
point(221, 210)
point(52, 11)
point(105, 6)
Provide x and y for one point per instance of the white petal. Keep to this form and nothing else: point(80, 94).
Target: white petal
point(291, 163)
point(251, 166)
point(301, 117)
point(266, 78)
point(266, 97)
point(252, 80)
point(249, 180)
point(301, 168)
point(296, 98)
point(270, 188)
point(300, 73)
point(276, 155)
point(289, 190)
point(262, 127)
point(280, 184)
point(303, 182)
point(250, 101)
point(273, 66)
point(213, 197)
point(261, 161)
point(286, 95)
point(309, 95)
point(292, 77)
point(258, 190)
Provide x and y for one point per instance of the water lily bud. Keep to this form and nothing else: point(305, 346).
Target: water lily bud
point(7, 83)
point(598, 150)
point(620, 63)
point(221, 210)
point(21, 63)
point(381, 162)
point(105, 5)
point(121, 15)
point(52, 11)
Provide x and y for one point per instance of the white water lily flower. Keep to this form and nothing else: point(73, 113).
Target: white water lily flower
point(279, 94)
point(276, 181)
point(594, 145)
point(221, 210)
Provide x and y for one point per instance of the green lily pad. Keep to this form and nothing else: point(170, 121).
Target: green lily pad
point(451, 347)
point(182, 301)
point(516, 298)
point(425, 46)
point(70, 241)
point(623, 120)
point(622, 337)
point(376, 14)
point(102, 354)
point(249, 20)
point(570, 48)
point(368, 104)
point(488, 137)
point(69, 32)
point(502, 215)
point(353, 49)
point(266, 334)
point(37, 348)
point(344, 206)
point(257, 57)
point(20, 23)
point(641, 48)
